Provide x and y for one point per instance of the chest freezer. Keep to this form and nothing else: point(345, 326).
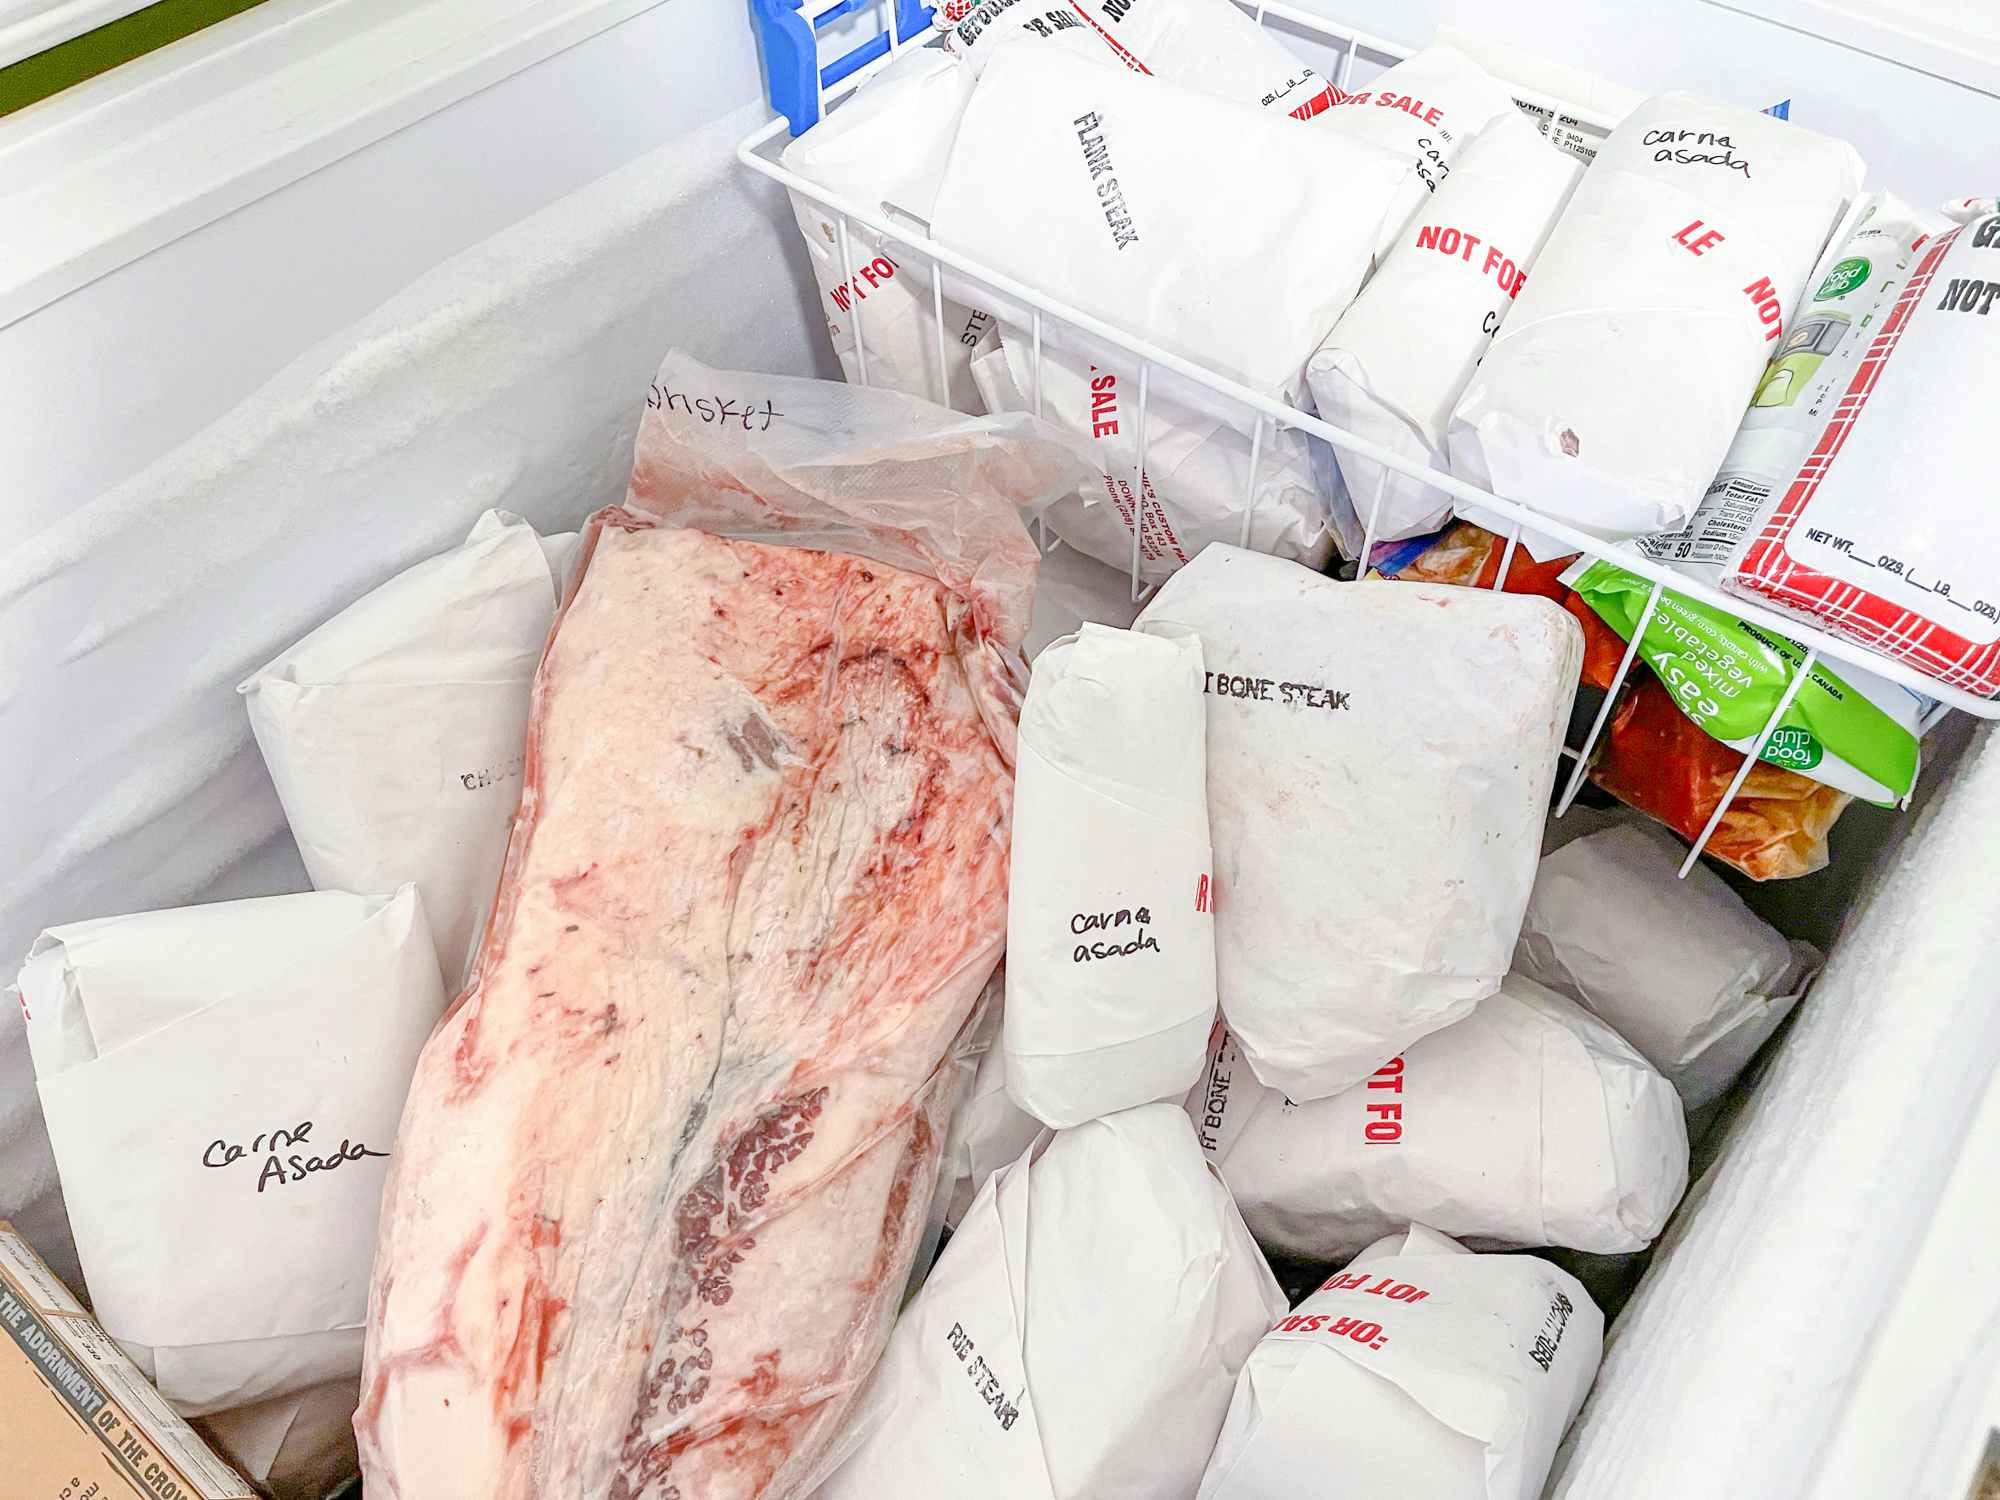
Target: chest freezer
point(1816, 1322)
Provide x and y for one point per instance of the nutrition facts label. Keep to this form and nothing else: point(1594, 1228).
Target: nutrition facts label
point(1726, 514)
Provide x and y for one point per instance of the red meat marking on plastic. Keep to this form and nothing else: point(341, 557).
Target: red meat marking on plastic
point(896, 1211)
point(761, 1384)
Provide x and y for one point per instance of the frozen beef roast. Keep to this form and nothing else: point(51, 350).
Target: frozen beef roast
point(664, 1168)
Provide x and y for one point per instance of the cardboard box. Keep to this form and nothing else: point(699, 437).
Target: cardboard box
point(77, 1419)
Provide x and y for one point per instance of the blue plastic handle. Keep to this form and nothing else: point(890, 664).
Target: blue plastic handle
point(791, 52)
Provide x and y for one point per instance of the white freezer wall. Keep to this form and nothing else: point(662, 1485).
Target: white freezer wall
point(1922, 137)
point(100, 382)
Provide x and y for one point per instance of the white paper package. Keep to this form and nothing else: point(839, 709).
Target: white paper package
point(1453, 1377)
point(1852, 289)
point(1209, 45)
point(1681, 969)
point(1078, 1338)
point(394, 731)
point(1425, 111)
point(1197, 486)
point(222, 1086)
point(1528, 1123)
point(1619, 378)
point(1379, 764)
point(1110, 929)
point(1878, 537)
point(887, 144)
point(1200, 223)
point(1454, 270)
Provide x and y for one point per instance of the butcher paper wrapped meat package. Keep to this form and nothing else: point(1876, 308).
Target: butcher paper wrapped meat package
point(885, 147)
point(1379, 764)
point(666, 1164)
point(1110, 929)
point(1528, 1123)
point(1209, 45)
point(1619, 379)
point(1681, 969)
point(1224, 232)
point(1079, 1336)
point(435, 662)
point(222, 1085)
point(1453, 1377)
point(1457, 267)
point(1880, 537)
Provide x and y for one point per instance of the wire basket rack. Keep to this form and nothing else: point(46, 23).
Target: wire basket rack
point(818, 53)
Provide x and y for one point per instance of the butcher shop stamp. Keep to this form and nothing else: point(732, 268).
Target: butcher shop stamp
point(1097, 161)
point(984, 1381)
point(1270, 690)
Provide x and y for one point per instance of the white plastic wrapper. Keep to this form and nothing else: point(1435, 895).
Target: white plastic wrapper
point(1209, 45)
point(1080, 1335)
point(222, 1086)
point(1454, 270)
point(1453, 1375)
point(394, 731)
point(1197, 488)
point(887, 144)
point(1110, 925)
point(988, 1130)
point(1681, 969)
point(1612, 392)
point(1425, 111)
point(1379, 764)
point(1200, 223)
point(1530, 1122)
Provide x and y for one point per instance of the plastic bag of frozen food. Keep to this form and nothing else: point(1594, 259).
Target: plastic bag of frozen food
point(1343, 935)
point(393, 732)
point(1197, 487)
point(1110, 924)
point(1081, 179)
point(1681, 969)
point(1846, 728)
point(1454, 1376)
point(1455, 268)
point(222, 1085)
point(886, 148)
point(1611, 395)
point(1854, 288)
point(1206, 44)
point(1530, 1122)
point(1078, 1338)
point(1879, 538)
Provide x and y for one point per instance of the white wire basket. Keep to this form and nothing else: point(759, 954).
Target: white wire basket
point(1262, 415)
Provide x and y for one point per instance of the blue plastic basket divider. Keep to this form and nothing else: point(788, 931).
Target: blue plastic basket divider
point(790, 44)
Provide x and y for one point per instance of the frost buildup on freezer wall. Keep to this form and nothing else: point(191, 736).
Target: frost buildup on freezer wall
point(666, 1165)
point(1110, 917)
point(1528, 1123)
point(222, 1085)
point(1879, 536)
point(1458, 266)
point(1454, 1376)
point(1079, 1336)
point(1619, 378)
point(1363, 898)
point(436, 662)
